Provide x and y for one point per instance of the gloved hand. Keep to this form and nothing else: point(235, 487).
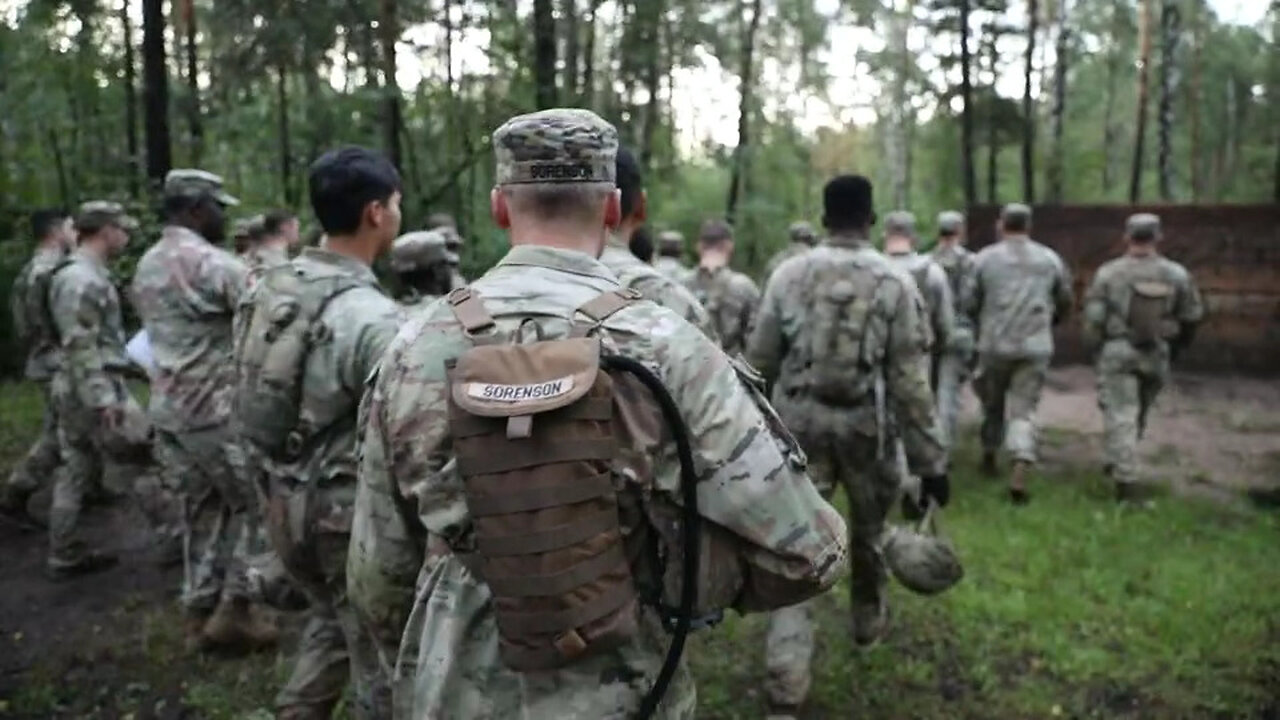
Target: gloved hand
point(935, 487)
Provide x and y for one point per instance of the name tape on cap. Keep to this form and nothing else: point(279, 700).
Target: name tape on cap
point(497, 392)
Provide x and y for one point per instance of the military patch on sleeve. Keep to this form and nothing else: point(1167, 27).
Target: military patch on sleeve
point(498, 392)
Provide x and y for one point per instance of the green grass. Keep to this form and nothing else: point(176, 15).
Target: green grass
point(1071, 607)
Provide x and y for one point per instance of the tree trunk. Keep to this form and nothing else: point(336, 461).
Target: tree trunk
point(1028, 110)
point(1144, 62)
point(193, 84)
point(391, 89)
point(747, 77)
point(130, 101)
point(1108, 126)
point(1193, 104)
point(282, 118)
point(155, 82)
point(569, 16)
point(1169, 22)
point(1056, 170)
point(895, 136)
point(60, 165)
point(966, 94)
point(993, 138)
point(589, 56)
point(544, 54)
point(654, 10)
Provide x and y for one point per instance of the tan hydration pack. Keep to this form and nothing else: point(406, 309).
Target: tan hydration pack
point(840, 371)
point(1148, 307)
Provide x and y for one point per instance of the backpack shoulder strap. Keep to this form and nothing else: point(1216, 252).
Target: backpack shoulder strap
point(469, 311)
point(602, 307)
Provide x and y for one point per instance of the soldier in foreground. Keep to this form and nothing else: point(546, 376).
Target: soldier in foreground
point(1018, 291)
point(730, 298)
point(297, 404)
point(954, 364)
point(36, 331)
point(94, 403)
point(842, 338)
point(670, 260)
point(930, 280)
point(424, 265)
point(803, 238)
point(1141, 310)
point(186, 290)
point(424, 520)
point(633, 273)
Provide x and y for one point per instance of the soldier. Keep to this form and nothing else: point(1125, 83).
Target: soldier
point(356, 197)
point(1140, 312)
point(633, 273)
point(729, 297)
point(641, 244)
point(94, 403)
point(446, 223)
point(1018, 291)
point(930, 280)
point(245, 233)
point(35, 330)
point(186, 289)
point(842, 337)
point(957, 358)
point(416, 516)
point(274, 236)
point(424, 265)
point(670, 253)
point(803, 238)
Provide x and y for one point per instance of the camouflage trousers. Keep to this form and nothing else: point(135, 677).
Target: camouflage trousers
point(1009, 389)
point(952, 373)
point(44, 457)
point(871, 483)
point(219, 514)
point(1128, 383)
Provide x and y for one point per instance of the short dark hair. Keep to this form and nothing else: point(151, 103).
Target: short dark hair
point(847, 203)
point(641, 243)
point(175, 205)
point(630, 181)
point(274, 221)
point(45, 220)
point(715, 232)
point(1016, 223)
point(344, 181)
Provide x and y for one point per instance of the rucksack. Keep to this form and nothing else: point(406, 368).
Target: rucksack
point(841, 364)
point(1148, 306)
point(535, 427)
point(276, 339)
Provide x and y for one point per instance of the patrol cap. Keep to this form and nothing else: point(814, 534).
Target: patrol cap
point(714, 231)
point(801, 231)
point(564, 145)
point(671, 240)
point(900, 222)
point(950, 222)
point(95, 214)
point(1143, 226)
point(249, 227)
point(421, 249)
point(1015, 214)
point(195, 183)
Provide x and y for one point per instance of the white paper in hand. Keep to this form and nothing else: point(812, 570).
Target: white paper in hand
point(139, 350)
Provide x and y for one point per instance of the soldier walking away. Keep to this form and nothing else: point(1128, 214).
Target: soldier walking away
point(730, 298)
point(803, 238)
point(632, 272)
point(1141, 310)
point(512, 456)
point(445, 223)
point(670, 260)
point(1018, 291)
point(96, 411)
point(956, 361)
point(186, 289)
point(900, 240)
point(424, 265)
point(296, 403)
point(36, 331)
point(841, 337)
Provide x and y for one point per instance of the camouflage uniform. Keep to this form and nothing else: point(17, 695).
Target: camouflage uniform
point(731, 299)
point(430, 258)
point(433, 619)
point(1130, 377)
point(670, 248)
point(332, 649)
point(930, 280)
point(653, 285)
point(803, 238)
point(853, 447)
point(261, 258)
point(186, 292)
point(954, 365)
point(1018, 290)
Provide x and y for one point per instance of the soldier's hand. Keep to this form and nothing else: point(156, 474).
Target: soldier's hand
point(936, 488)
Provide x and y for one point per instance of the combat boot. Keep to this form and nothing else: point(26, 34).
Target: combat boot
point(989, 467)
point(233, 628)
point(78, 562)
point(1018, 494)
point(870, 623)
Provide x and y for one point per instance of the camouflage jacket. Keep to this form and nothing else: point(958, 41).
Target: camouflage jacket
point(731, 299)
point(783, 255)
point(260, 258)
point(671, 268)
point(1019, 289)
point(86, 308)
point(1106, 305)
point(634, 273)
point(32, 317)
point(410, 507)
point(899, 333)
point(931, 281)
point(186, 291)
point(958, 263)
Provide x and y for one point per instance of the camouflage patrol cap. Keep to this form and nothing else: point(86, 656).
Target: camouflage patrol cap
point(421, 249)
point(900, 222)
point(1016, 212)
point(95, 214)
point(195, 183)
point(950, 221)
point(1143, 226)
point(801, 231)
point(671, 240)
point(564, 145)
point(250, 227)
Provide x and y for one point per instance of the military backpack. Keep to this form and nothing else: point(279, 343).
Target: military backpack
point(842, 359)
point(1148, 309)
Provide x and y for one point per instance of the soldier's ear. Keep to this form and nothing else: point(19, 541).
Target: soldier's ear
point(498, 208)
point(641, 212)
point(613, 209)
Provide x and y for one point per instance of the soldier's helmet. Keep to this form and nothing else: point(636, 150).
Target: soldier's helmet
point(802, 231)
point(921, 559)
point(421, 249)
point(671, 242)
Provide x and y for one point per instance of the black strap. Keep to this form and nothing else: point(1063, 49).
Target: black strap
point(582, 528)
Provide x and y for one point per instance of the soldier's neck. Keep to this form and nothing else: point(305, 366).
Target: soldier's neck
point(50, 245)
point(1142, 251)
point(712, 262)
point(562, 236)
point(352, 246)
point(96, 250)
point(897, 246)
point(848, 238)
